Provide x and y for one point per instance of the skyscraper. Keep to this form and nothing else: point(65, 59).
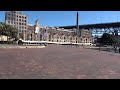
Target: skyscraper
point(16, 19)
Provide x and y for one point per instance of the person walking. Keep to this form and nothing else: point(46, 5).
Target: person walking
point(119, 49)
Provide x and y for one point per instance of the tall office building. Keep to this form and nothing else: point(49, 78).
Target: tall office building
point(17, 19)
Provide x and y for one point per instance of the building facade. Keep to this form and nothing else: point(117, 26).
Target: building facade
point(17, 20)
point(59, 35)
point(41, 33)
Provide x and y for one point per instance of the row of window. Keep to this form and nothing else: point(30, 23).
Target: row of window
point(21, 20)
point(13, 15)
point(16, 23)
point(21, 27)
point(24, 17)
point(13, 19)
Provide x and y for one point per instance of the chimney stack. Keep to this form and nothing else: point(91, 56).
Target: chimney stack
point(77, 21)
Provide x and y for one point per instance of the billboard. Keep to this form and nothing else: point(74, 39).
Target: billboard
point(37, 29)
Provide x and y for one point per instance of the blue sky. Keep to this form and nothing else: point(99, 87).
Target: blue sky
point(63, 18)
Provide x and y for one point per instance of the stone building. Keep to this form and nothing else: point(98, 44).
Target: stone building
point(59, 35)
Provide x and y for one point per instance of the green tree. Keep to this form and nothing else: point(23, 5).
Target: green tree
point(9, 31)
point(108, 39)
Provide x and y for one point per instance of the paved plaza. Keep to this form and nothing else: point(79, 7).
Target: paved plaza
point(58, 62)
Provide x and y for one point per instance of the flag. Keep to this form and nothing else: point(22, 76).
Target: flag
point(46, 32)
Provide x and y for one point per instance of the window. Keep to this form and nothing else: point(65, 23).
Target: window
point(19, 23)
point(86, 40)
point(22, 23)
point(19, 16)
point(25, 20)
point(19, 19)
point(13, 19)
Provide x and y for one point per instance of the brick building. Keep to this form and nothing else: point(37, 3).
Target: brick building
point(53, 34)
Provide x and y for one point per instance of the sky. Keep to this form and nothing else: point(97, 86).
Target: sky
point(66, 18)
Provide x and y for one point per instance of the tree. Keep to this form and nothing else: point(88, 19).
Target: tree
point(107, 39)
point(21, 35)
point(9, 31)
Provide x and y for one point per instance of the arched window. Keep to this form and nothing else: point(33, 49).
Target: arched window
point(31, 37)
point(86, 40)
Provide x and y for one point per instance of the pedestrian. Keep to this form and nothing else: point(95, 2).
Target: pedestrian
point(119, 49)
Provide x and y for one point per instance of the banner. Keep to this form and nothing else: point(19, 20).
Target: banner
point(46, 32)
point(36, 29)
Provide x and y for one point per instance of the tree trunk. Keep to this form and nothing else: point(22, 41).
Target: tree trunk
point(7, 39)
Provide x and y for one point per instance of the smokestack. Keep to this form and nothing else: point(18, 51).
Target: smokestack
point(77, 21)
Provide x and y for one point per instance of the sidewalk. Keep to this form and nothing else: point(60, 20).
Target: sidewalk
point(19, 46)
